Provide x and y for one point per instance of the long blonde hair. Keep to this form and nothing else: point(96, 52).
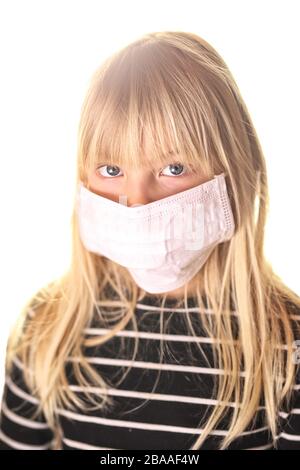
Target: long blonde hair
point(174, 88)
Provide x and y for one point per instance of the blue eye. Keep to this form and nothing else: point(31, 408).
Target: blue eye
point(111, 170)
point(176, 169)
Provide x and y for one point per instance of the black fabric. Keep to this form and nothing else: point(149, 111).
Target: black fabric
point(170, 418)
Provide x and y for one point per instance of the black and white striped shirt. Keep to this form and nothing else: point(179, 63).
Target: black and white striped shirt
point(169, 418)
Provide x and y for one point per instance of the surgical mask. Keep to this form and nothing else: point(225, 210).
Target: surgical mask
point(163, 244)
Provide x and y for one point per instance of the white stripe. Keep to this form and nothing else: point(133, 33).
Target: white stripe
point(19, 364)
point(139, 306)
point(145, 426)
point(295, 317)
point(126, 393)
point(184, 369)
point(151, 365)
point(294, 411)
point(208, 311)
point(283, 414)
point(151, 396)
point(21, 445)
point(165, 337)
point(289, 437)
point(22, 421)
point(83, 445)
point(267, 446)
point(19, 392)
point(156, 336)
point(142, 364)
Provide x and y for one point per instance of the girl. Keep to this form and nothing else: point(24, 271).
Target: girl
point(169, 330)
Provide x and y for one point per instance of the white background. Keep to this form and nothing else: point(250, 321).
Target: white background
point(48, 52)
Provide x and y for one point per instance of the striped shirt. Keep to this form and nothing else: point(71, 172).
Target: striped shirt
point(168, 418)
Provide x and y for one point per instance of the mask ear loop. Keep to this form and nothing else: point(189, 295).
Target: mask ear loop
point(227, 208)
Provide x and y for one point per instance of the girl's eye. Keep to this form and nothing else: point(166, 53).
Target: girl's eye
point(109, 170)
point(176, 169)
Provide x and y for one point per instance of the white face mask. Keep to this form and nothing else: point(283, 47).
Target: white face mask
point(163, 244)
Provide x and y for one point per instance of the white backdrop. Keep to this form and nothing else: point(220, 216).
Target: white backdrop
point(49, 50)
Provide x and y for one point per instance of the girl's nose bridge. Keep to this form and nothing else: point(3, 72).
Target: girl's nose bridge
point(139, 188)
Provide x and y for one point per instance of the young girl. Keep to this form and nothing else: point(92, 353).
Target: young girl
point(169, 330)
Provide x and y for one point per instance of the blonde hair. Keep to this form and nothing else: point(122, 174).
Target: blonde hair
point(174, 88)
